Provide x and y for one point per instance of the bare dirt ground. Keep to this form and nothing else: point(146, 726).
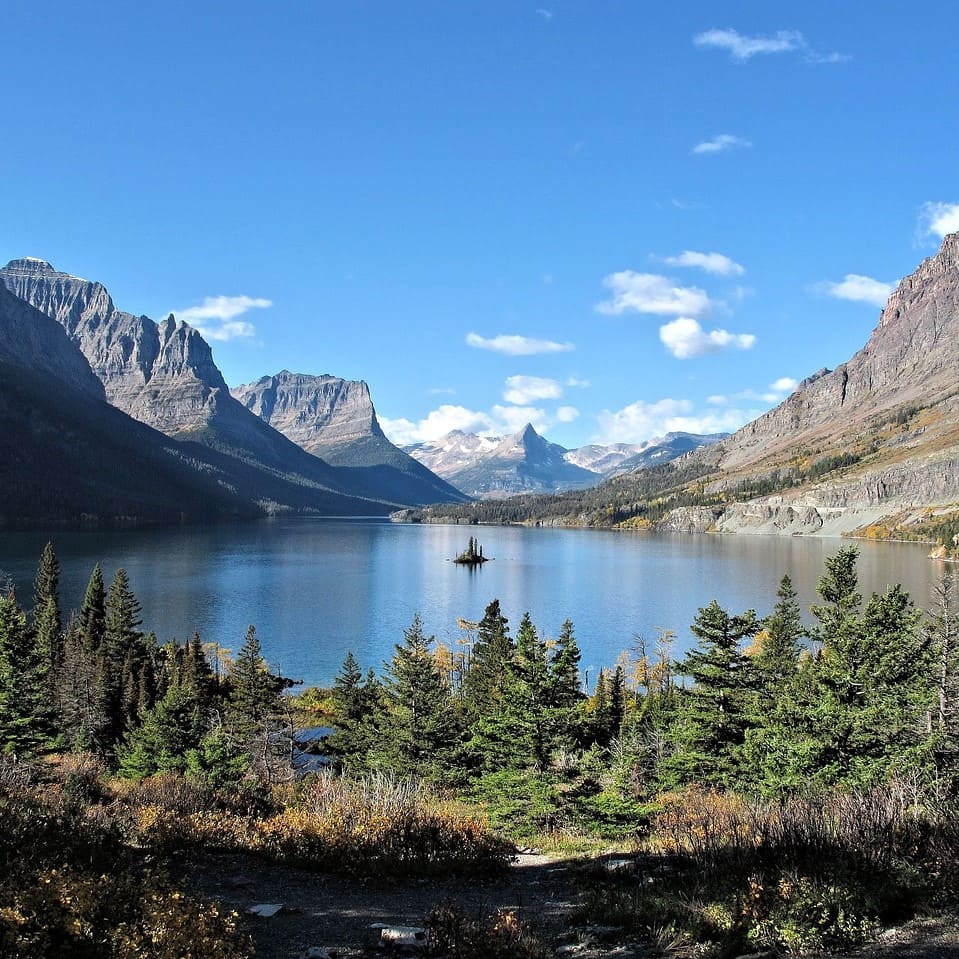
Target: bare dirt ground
point(331, 911)
point(325, 911)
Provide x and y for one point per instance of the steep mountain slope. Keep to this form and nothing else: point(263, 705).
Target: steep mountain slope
point(627, 458)
point(523, 462)
point(492, 467)
point(334, 418)
point(68, 457)
point(164, 375)
point(870, 447)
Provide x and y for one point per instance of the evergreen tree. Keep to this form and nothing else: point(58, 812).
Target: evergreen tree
point(357, 713)
point(82, 694)
point(422, 731)
point(170, 729)
point(255, 700)
point(942, 630)
point(25, 720)
point(258, 718)
point(486, 678)
point(778, 655)
point(713, 712)
point(566, 691)
point(48, 624)
point(534, 684)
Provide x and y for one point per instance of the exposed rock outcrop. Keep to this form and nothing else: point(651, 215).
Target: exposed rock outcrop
point(163, 374)
point(335, 419)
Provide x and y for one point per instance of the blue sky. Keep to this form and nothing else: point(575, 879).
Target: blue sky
point(608, 218)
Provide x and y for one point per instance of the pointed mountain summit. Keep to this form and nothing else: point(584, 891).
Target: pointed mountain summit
point(163, 374)
point(69, 458)
point(870, 448)
point(334, 418)
point(493, 467)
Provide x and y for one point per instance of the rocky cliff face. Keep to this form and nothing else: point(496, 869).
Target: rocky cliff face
point(318, 413)
point(911, 359)
point(30, 339)
point(162, 374)
point(893, 408)
point(335, 419)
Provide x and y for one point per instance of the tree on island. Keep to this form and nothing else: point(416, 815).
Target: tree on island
point(472, 555)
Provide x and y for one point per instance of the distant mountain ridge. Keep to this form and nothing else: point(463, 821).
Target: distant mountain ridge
point(870, 448)
point(163, 374)
point(525, 462)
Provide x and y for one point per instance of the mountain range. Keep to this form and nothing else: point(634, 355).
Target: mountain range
point(494, 467)
point(871, 447)
point(67, 332)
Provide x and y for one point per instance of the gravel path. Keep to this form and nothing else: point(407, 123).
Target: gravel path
point(323, 910)
point(329, 911)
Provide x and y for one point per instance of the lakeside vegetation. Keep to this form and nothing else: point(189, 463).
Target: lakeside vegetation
point(778, 786)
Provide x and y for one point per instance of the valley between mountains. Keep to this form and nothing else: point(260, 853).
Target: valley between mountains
point(869, 448)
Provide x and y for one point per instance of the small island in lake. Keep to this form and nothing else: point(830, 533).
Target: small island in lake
point(472, 555)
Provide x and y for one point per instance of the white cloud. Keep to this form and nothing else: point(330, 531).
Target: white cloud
point(566, 414)
point(650, 293)
point(721, 143)
point(641, 421)
point(523, 389)
point(685, 338)
point(577, 382)
point(544, 13)
point(215, 317)
point(512, 419)
point(500, 421)
point(514, 345)
point(785, 384)
point(716, 263)
point(859, 289)
point(939, 218)
point(742, 48)
point(437, 423)
point(717, 399)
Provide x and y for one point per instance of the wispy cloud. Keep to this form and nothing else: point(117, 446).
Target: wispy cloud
point(742, 48)
point(776, 392)
point(566, 414)
point(544, 13)
point(716, 263)
point(216, 316)
point(650, 293)
point(521, 390)
point(642, 421)
point(858, 289)
point(685, 338)
point(722, 143)
point(515, 345)
point(938, 219)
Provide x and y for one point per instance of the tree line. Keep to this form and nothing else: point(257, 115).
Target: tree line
point(769, 706)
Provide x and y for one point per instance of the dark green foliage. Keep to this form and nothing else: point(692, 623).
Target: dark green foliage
point(488, 669)
point(778, 655)
point(713, 713)
point(359, 713)
point(422, 730)
point(48, 624)
point(25, 717)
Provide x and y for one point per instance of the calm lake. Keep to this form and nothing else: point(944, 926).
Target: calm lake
point(316, 589)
